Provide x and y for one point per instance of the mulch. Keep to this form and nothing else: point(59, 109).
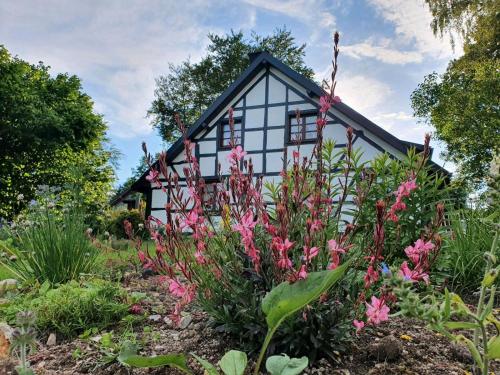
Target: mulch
point(400, 346)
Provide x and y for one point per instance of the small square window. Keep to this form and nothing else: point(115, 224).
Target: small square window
point(225, 133)
point(210, 195)
point(304, 129)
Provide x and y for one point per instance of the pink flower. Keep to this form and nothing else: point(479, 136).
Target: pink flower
point(142, 256)
point(303, 272)
point(412, 275)
point(284, 263)
point(152, 176)
point(136, 309)
point(236, 154)
point(321, 122)
point(336, 99)
point(358, 324)
point(310, 252)
point(325, 103)
point(335, 250)
point(296, 155)
point(371, 276)
point(377, 311)
point(191, 219)
point(419, 249)
point(176, 288)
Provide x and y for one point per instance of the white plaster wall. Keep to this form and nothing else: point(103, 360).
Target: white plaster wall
point(275, 138)
point(207, 147)
point(256, 161)
point(207, 165)
point(277, 91)
point(254, 140)
point(335, 132)
point(254, 118)
point(274, 162)
point(257, 95)
point(276, 116)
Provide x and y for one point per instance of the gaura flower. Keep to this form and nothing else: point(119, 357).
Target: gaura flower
point(324, 103)
point(236, 154)
point(176, 288)
point(377, 311)
point(358, 324)
point(303, 272)
point(152, 176)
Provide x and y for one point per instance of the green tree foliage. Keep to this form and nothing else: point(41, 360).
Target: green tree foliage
point(189, 88)
point(463, 103)
point(47, 129)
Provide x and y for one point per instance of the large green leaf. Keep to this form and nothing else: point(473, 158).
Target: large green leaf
point(128, 356)
point(284, 365)
point(234, 362)
point(286, 298)
point(494, 348)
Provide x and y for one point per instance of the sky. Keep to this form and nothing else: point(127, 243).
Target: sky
point(118, 48)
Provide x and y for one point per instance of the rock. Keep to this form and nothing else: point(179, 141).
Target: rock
point(52, 340)
point(5, 336)
point(461, 353)
point(155, 318)
point(185, 321)
point(387, 349)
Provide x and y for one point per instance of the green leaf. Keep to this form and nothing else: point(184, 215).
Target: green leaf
point(284, 365)
point(234, 362)
point(286, 298)
point(494, 348)
point(461, 325)
point(472, 349)
point(209, 368)
point(129, 357)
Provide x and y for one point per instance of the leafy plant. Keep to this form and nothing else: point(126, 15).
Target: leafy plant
point(462, 260)
point(23, 340)
point(50, 246)
point(115, 225)
point(448, 313)
point(72, 308)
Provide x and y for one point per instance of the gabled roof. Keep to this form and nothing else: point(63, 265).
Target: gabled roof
point(259, 61)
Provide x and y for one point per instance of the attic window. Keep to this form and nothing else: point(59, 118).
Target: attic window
point(225, 133)
point(302, 130)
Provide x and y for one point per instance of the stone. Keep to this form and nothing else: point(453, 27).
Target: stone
point(154, 318)
point(52, 340)
point(185, 321)
point(461, 353)
point(387, 349)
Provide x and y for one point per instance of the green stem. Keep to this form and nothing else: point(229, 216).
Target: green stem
point(263, 350)
point(485, 350)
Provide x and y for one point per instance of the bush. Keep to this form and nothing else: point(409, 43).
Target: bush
point(72, 308)
point(115, 225)
point(313, 224)
point(462, 260)
point(50, 245)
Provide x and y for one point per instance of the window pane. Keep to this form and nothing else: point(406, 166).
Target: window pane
point(311, 135)
point(310, 127)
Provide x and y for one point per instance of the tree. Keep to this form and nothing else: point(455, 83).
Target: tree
point(463, 103)
point(48, 128)
point(189, 88)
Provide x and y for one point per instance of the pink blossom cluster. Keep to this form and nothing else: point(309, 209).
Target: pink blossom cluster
point(420, 255)
point(403, 191)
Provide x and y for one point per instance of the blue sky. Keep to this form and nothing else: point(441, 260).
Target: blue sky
point(118, 48)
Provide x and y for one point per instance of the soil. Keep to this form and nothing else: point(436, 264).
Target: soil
point(401, 346)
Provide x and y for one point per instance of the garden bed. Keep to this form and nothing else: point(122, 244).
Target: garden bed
point(412, 348)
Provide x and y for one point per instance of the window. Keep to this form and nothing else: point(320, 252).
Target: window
point(210, 195)
point(225, 133)
point(304, 130)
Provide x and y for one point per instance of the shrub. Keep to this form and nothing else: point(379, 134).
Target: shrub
point(462, 260)
point(50, 245)
point(316, 221)
point(115, 225)
point(72, 308)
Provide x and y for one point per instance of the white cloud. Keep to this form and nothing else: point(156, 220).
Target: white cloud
point(362, 93)
point(310, 12)
point(411, 19)
point(117, 48)
point(382, 53)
